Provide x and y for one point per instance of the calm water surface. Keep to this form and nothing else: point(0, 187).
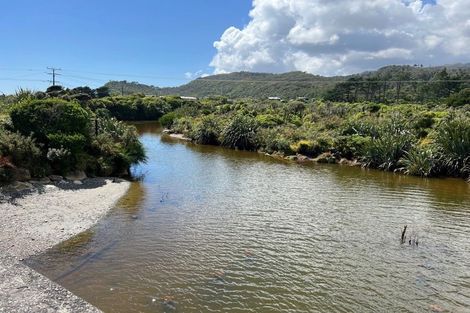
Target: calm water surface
point(215, 230)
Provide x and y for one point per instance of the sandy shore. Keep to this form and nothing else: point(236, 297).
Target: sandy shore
point(37, 221)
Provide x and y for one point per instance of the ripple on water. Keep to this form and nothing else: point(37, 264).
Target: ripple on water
point(227, 231)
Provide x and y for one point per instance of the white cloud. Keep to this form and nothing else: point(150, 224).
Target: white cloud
point(345, 36)
point(191, 75)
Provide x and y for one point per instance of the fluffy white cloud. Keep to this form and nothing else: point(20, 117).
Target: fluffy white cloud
point(345, 36)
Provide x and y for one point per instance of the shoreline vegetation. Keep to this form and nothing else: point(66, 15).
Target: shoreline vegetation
point(44, 136)
point(413, 139)
point(52, 141)
point(63, 131)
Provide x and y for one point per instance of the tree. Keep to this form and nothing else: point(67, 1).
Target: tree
point(102, 92)
point(459, 99)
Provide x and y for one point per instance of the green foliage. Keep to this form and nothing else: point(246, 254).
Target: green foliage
point(351, 146)
point(22, 151)
point(51, 116)
point(72, 142)
point(452, 141)
point(379, 135)
point(207, 131)
point(268, 120)
point(273, 141)
point(400, 84)
point(385, 150)
point(389, 84)
point(240, 133)
point(126, 137)
point(419, 162)
point(459, 99)
point(102, 92)
point(168, 119)
point(55, 135)
point(310, 148)
point(136, 107)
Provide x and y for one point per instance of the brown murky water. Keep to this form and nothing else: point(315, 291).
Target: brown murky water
point(215, 230)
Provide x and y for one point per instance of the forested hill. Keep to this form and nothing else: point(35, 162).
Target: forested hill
point(239, 85)
point(384, 83)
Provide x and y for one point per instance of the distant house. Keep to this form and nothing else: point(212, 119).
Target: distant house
point(189, 98)
point(274, 98)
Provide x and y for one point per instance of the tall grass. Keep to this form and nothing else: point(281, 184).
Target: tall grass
point(452, 140)
point(385, 149)
point(240, 133)
point(419, 162)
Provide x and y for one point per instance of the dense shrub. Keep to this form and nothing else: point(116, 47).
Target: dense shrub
point(452, 141)
point(268, 120)
point(272, 140)
point(40, 118)
point(385, 150)
point(7, 170)
point(137, 107)
point(20, 151)
point(419, 162)
point(351, 146)
point(310, 148)
point(115, 147)
point(240, 133)
point(55, 136)
point(168, 119)
point(459, 99)
point(207, 131)
point(72, 142)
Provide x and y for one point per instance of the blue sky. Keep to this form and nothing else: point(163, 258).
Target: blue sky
point(170, 42)
point(159, 39)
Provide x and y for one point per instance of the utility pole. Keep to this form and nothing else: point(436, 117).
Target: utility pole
point(122, 89)
point(54, 73)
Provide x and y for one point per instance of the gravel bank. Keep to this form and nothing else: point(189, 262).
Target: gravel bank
point(35, 220)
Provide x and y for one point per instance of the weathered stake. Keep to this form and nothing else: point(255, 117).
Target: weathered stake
point(403, 237)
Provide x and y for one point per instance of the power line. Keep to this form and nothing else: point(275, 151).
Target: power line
point(326, 80)
point(53, 73)
point(331, 81)
point(126, 75)
point(24, 79)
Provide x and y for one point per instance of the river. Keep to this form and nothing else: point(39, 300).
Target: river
point(208, 229)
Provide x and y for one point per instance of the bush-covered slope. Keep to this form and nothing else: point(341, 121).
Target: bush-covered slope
point(388, 84)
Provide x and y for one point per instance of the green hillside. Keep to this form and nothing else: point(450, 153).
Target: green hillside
point(391, 83)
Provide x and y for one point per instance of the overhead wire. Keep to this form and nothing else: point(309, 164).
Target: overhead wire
point(69, 74)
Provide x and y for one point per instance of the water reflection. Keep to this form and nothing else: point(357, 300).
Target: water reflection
point(216, 230)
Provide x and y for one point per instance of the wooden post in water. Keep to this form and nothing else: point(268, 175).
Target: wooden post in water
point(403, 234)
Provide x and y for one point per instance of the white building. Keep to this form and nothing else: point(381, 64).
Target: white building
point(189, 98)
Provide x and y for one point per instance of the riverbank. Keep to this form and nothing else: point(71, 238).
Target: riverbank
point(34, 222)
point(415, 139)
